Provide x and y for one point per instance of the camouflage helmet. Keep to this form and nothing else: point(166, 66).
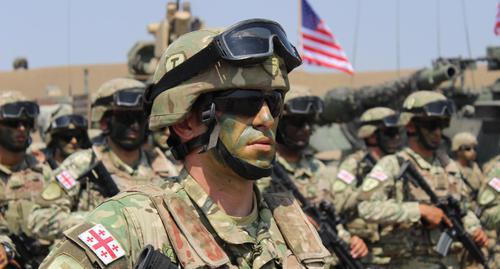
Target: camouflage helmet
point(370, 118)
point(108, 89)
point(300, 101)
point(61, 111)
point(172, 105)
point(9, 96)
point(414, 104)
point(463, 139)
point(12, 97)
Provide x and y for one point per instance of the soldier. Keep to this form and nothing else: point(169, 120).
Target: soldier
point(23, 179)
point(309, 175)
point(464, 146)
point(222, 110)
point(407, 218)
point(65, 135)
point(381, 131)
point(89, 176)
point(489, 202)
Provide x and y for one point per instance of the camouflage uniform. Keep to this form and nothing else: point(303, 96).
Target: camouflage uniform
point(255, 241)
point(180, 219)
point(472, 175)
point(489, 202)
point(394, 205)
point(72, 191)
point(20, 188)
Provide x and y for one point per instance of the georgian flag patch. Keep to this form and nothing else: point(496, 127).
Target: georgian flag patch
point(346, 176)
point(66, 179)
point(102, 243)
point(495, 184)
point(379, 175)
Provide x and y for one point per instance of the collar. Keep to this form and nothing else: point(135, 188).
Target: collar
point(225, 226)
point(122, 166)
point(300, 169)
point(421, 162)
point(28, 161)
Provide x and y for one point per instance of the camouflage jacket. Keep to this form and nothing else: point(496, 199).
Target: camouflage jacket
point(310, 176)
point(185, 224)
point(351, 173)
point(72, 199)
point(489, 199)
point(394, 205)
point(20, 190)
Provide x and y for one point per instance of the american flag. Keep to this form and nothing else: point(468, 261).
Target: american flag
point(319, 46)
point(497, 23)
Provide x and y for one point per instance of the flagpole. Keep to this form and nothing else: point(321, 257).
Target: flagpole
point(300, 28)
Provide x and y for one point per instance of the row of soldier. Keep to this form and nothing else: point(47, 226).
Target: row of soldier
point(225, 118)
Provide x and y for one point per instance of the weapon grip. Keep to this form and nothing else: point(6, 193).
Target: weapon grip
point(149, 258)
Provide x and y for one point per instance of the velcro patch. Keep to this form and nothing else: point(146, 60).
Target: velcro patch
point(346, 176)
point(379, 175)
point(495, 183)
point(66, 179)
point(102, 243)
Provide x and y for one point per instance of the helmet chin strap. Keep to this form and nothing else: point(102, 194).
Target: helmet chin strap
point(423, 141)
point(210, 140)
point(284, 140)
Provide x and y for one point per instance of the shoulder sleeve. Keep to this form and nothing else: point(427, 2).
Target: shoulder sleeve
point(378, 199)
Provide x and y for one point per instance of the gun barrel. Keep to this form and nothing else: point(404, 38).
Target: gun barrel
point(429, 79)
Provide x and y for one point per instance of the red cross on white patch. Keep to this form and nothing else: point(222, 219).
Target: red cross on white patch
point(66, 179)
point(381, 176)
point(346, 176)
point(102, 243)
point(495, 184)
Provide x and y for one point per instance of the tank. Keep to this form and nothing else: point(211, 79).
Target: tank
point(338, 127)
point(143, 57)
point(478, 110)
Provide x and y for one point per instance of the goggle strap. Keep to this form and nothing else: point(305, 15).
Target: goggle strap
point(202, 60)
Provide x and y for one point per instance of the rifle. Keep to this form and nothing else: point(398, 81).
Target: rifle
point(99, 175)
point(149, 258)
point(451, 208)
point(324, 215)
point(27, 248)
point(370, 161)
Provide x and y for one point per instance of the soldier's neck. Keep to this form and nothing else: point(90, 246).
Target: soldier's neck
point(465, 163)
point(58, 156)
point(227, 189)
point(9, 158)
point(291, 156)
point(129, 157)
point(425, 153)
point(376, 152)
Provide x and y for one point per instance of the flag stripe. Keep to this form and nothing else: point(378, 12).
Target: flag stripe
point(321, 63)
point(323, 59)
point(322, 47)
point(319, 46)
point(322, 52)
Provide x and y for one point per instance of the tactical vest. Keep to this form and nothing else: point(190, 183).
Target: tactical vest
point(201, 249)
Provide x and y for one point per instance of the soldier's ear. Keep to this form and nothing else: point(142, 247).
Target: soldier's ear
point(411, 128)
point(105, 124)
point(189, 128)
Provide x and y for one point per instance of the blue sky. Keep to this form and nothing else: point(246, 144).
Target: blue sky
point(61, 32)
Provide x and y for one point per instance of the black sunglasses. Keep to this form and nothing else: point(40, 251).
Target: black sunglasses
point(248, 103)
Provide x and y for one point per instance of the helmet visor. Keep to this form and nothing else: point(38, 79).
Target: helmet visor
point(64, 121)
point(128, 98)
point(439, 108)
point(305, 105)
point(15, 110)
point(252, 40)
point(388, 121)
